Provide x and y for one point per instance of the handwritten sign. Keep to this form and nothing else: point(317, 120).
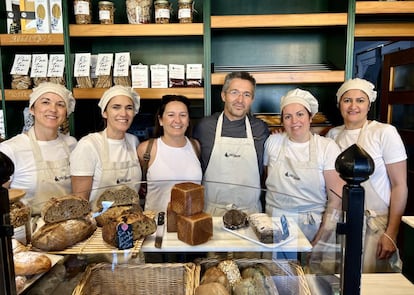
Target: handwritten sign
point(124, 236)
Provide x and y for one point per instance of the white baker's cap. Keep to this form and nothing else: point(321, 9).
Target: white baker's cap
point(359, 84)
point(302, 97)
point(58, 89)
point(119, 90)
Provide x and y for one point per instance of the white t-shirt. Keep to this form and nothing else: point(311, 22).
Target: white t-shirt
point(383, 143)
point(171, 165)
point(19, 150)
point(85, 160)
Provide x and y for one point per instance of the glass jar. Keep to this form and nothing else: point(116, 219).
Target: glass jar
point(83, 11)
point(139, 11)
point(162, 11)
point(185, 11)
point(106, 12)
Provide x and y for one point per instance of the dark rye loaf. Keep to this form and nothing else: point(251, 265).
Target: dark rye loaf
point(64, 208)
point(121, 196)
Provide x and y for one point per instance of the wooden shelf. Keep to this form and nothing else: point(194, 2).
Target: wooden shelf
point(125, 30)
point(96, 93)
point(289, 77)
point(384, 7)
point(144, 93)
point(279, 20)
point(31, 39)
point(389, 30)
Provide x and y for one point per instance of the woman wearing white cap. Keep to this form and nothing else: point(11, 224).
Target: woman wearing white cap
point(41, 155)
point(301, 177)
point(108, 158)
point(386, 189)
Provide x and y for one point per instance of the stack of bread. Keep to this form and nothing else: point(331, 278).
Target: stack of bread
point(67, 222)
point(125, 208)
point(227, 278)
point(27, 263)
point(185, 214)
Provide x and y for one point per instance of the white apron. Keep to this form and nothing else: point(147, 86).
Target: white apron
point(120, 172)
point(300, 184)
point(375, 221)
point(53, 177)
point(232, 178)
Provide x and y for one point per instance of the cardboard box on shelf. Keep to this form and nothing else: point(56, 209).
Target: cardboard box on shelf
point(42, 16)
point(13, 16)
point(27, 16)
point(56, 16)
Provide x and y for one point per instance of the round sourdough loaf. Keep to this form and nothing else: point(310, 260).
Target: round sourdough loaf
point(211, 289)
point(64, 208)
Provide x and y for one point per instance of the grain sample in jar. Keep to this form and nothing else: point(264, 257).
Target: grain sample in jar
point(83, 11)
point(185, 11)
point(139, 11)
point(106, 12)
point(162, 11)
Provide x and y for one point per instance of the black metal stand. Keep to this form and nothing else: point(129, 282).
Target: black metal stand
point(354, 166)
point(7, 275)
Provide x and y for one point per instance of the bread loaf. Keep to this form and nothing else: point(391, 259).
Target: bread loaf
point(212, 288)
point(171, 219)
point(121, 196)
point(142, 226)
point(214, 274)
point(265, 229)
point(20, 283)
point(196, 229)
point(18, 247)
point(64, 208)
point(235, 219)
point(231, 269)
point(60, 235)
point(187, 198)
point(261, 279)
point(30, 263)
point(114, 212)
point(19, 214)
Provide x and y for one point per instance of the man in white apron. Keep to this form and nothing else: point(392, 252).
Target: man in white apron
point(386, 189)
point(232, 150)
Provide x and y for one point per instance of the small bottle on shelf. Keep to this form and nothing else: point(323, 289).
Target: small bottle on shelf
point(185, 11)
point(83, 11)
point(162, 11)
point(106, 12)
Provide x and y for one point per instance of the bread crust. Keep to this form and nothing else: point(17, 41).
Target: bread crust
point(64, 208)
point(30, 263)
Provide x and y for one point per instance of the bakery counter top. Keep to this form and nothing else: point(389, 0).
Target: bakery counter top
point(408, 220)
point(225, 241)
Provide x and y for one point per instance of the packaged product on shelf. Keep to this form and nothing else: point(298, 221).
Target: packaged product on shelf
point(56, 18)
point(83, 11)
point(13, 16)
point(27, 16)
point(94, 60)
point(56, 69)
point(139, 11)
point(42, 16)
point(159, 76)
point(20, 71)
point(185, 11)
point(38, 71)
point(103, 70)
point(176, 75)
point(82, 70)
point(140, 76)
point(162, 11)
point(106, 12)
point(121, 69)
point(194, 75)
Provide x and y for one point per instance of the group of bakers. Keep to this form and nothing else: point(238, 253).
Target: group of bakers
point(231, 153)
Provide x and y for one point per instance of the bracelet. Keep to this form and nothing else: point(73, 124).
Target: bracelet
point(395, 245)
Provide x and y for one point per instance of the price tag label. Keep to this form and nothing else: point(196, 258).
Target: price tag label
point(124, 236)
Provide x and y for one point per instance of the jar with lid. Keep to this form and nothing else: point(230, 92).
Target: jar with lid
point(185, 11)
point(83, 11)
point(106, 12)
point(162, 11)
point(139, 11)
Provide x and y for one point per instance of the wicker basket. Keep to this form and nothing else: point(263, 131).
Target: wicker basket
point(288, 275)
point(150, 278)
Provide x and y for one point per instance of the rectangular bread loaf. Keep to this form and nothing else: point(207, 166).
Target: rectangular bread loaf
point(196, 229)
point(187, 198)
point(171, 219)
point(265, 229)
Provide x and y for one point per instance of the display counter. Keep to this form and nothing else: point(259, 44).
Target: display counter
point(407, 254)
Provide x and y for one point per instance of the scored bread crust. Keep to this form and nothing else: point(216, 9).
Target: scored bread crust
point(60, 235)
point(30, 263)
point(121, 196)
point(64, 208)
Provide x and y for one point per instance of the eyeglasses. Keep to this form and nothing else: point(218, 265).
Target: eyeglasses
point(236, 93)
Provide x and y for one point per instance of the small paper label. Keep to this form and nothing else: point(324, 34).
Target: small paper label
point(124, 236)
point(121, 65)
point(56, 65)
point(21, 64)
point(104, 64)
point(39, 65)
point(82, 64)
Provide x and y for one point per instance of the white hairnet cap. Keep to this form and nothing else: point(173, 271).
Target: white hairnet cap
point(58, 89)
point(119, 90)
point(359, 84)
point(302, 97)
